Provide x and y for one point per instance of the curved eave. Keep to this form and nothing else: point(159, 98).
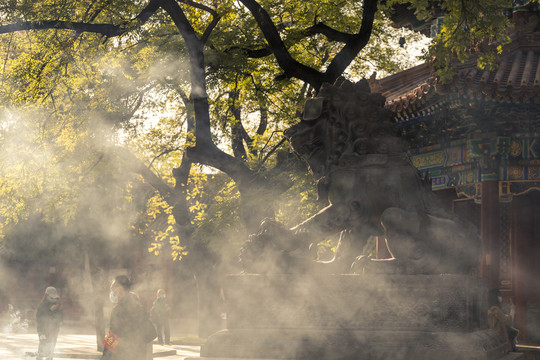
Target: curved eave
point(515, 80)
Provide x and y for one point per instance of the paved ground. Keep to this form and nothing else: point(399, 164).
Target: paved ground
point(78, 346)
point(77, 340)
point(22, 346)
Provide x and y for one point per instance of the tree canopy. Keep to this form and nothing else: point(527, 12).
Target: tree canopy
point(163, 97)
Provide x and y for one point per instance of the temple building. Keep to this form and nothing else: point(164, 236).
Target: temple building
point(478, 139)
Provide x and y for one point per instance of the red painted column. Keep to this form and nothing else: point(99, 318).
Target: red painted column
point(382, 251)
point(489, 231)
point(521, 229)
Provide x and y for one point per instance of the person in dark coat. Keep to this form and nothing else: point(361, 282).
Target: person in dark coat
point(49, 317)
point(159, 314)
point(125, 339)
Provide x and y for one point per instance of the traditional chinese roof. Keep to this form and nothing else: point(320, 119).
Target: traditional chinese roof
point(408, 90)
point(416, 91)
point(455, 130)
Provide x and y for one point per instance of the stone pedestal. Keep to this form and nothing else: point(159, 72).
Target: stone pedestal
point(355, 317)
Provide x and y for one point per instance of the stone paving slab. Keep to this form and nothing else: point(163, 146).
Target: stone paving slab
point(24, 347)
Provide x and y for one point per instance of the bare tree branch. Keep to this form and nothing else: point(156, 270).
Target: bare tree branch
point(251, 53)
point(273, 150)
point(189, 34)
point(356, 43)
point(165, 152)
point(97, 11)
point(109, 30)
point(205, 151)
point(213, 23)
point(292, 68)
point(101, 156)
point(237, 129)
point(331, 34)
point(139, 167)
point(263, 123)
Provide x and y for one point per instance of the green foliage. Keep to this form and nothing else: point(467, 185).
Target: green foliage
point(300, 201)
point(83, 94)
point(469, 29)
point(57, 199)
point(214, 202)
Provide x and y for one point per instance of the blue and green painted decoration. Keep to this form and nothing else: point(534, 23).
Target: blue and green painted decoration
point(464, 164)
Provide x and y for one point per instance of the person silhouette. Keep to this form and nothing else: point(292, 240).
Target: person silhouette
point(49, 317)
point(159, 314)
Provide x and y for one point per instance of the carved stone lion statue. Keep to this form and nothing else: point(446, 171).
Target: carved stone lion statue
point(361, 167)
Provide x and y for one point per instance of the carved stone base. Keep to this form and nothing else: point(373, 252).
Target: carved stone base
point(440, 317)
point(354, 344)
